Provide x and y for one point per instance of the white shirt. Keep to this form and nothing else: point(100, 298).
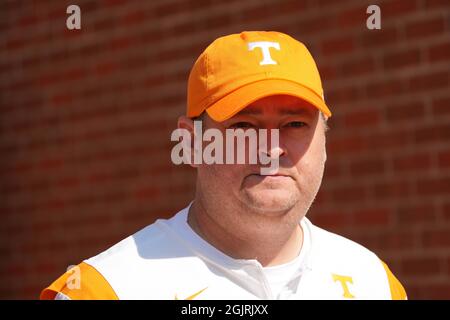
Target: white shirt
point(168, 260)
point(279, 276)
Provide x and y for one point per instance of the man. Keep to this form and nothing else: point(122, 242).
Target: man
point(245, 235)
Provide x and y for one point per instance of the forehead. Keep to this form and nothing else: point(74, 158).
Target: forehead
point(279, 104)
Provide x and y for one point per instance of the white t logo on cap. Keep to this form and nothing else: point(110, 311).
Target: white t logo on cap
point(264, 45)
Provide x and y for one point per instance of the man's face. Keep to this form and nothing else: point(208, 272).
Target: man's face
point(301, 153)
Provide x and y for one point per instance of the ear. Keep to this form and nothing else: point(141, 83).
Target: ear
point(188, 124)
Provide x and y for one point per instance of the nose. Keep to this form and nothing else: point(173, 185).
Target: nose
point(276, 152)
point(270, 144)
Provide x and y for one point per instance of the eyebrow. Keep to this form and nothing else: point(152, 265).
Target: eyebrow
point(283, 110)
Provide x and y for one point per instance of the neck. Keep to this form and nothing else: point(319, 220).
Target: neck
point(277, 244)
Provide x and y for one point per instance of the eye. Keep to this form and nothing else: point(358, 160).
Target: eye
point(295, 124)
point(241, 125)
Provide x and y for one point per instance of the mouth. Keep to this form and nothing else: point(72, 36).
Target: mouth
point(275, 175)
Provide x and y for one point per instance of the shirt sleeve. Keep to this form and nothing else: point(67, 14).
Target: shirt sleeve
point(397, 290)
point(82, 282)
point(61, 296)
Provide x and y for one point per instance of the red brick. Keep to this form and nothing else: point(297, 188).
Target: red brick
point(336, 46)
point(187, 27)
point(441, 106)
point(326, 4)
point(417, 214)
point(260, 12)
point(439, 52)
point(379, 38)
point(90, 49)
point(446, 211)
point(15, 269)
point(433, 186)
point(147, 193)
point(444, 159)
point(397, 241)
point(121, 43)
point(412, 162)
point(321, 197)
point(397, 8)
point(355, 16)
point(178, 53)
point(416, 292)
point(342, 95)
point(106, 68)
point(292, 6)
point(373, 166)
point(429, 81)
point(369, 241)
point(384, 141)
point(436, 291)
point(136, 17)
point(422, 267)
point(332, 219)
point(386, 88)
point(430, 133)
point(405, 111)
point(15, 44)
point(394, 189)
point(316, 25)
point(358, 67)
point(198, 4)
point(401, 59)
point(50, 163)
point(436, 3)
point(424, 27)
point(362, 118)
point(22, 127)
point(114, 2)
point(62, 99)
point(333, 170)
point(218, 21)
point(327, 72)
point(33, 61)
point(372, 217)
point(349, 194)
point(18, 168)
point(437, 238)
point(68, 182)
point(28, 20)
point(347, 145)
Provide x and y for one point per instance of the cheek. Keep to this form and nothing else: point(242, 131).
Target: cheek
point(308, 157)
point(221, 175)
point(318, 147)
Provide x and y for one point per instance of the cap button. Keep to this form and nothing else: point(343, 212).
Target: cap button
point(244, 35)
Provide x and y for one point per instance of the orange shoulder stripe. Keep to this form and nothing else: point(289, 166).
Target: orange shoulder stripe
point(397, 290)
point(83, 282)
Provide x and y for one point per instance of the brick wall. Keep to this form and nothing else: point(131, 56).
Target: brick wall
point(86, 116)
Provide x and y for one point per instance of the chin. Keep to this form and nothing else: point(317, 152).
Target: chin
point(270, 201)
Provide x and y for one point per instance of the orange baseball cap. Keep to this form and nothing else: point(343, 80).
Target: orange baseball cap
point(238, 69)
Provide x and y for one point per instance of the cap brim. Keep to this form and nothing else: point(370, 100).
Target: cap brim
point(237, 100)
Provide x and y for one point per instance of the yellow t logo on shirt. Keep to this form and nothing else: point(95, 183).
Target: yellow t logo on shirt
point(343, 280)
point(192, 297)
